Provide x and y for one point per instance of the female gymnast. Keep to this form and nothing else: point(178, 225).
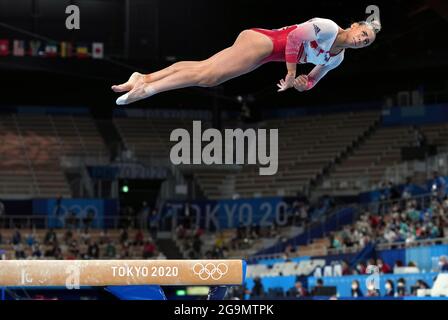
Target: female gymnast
point(318, 41)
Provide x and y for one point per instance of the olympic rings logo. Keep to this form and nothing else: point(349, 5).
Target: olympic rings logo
point(210, 270)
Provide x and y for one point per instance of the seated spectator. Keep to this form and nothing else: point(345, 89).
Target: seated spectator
point(16, 237)
point(124, 236)
point(149, 249)
point(298, 291)
point(85, 236)
point(398, 264)
point(71, 221)
point(346, 269)
point(443, 264)
point(319, 284)
point(54, 251)
point(384, 267)
point(360, 268)
point(19, 252)
point(50, 237)
point(180, 231)
point(372, 291)
point(258, 289)
point(93, 251)
point(198, 232)
point(57, 253)
point(401, 287)
point(104, 237)
point(36, 251)
point(72, 254)
point(420, 284)
point(289, 251)
point(68, 236)
point(336, 244)
point(139, 238)
point(111, 250)
point(30, 239)
point(74, 248)
point(390, 289)
point(356, 290)
point(88, 219)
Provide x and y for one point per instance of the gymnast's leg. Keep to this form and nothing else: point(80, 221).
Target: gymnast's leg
point(245, 55)
point(154, 76)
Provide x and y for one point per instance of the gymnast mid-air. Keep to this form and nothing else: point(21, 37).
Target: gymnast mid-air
point(318, 41)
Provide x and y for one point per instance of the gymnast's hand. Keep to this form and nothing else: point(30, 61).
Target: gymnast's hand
point(301, 83)
point(286, 83)
point(136, 89)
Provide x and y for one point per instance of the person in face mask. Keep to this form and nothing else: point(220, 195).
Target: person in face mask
point(356, 291)
point(390, 288)
point(443, 264)
point(384, 267)
point(401, 287)
point(372, 291)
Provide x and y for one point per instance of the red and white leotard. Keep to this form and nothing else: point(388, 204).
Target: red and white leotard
point(308, 42)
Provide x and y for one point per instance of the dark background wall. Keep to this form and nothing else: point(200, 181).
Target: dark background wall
point(409, 53)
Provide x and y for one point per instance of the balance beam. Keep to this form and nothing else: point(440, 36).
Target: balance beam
point(76, 273)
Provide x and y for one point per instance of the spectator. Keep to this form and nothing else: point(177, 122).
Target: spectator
point(36, 251)
point(19, 252)
point(319, 284)
point(361, 268)
point(53, 251)
point(139, 238)
point(384, 267)
point(401, 287)
point(443, 264)
point(30, 239)
point(258, 289)
point(50, 237)
point(289, 251)
point(149, 250)
point(74, 249)
point(154, 223)
point(407, 189)
point(298, 291)
point(93, 251)
point(180, 231)
point(71, 221)
point(356, 290)
point(124, 236)
point(372, 291)
point(346, 269)
point(111, 250)
point(68, 236)
point(16, 237)
point(104, 237)
point(89, 218)
point(85, 236)
point(390, 288)
point(438, 186)
point(420, 284)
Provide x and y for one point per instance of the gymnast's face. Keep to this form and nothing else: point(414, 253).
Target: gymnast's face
point(359, 36)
